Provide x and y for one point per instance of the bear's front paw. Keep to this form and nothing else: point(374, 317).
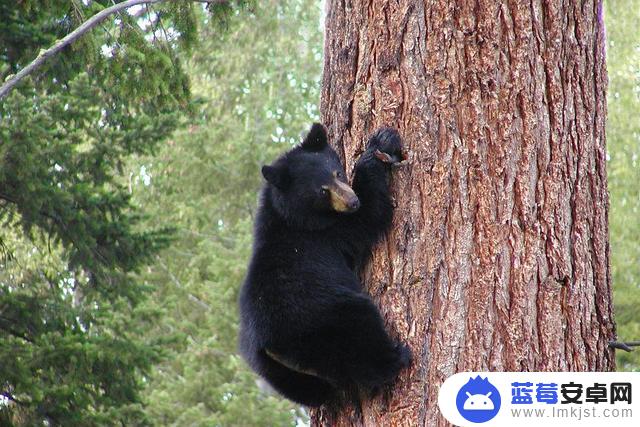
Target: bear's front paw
point(387, 145)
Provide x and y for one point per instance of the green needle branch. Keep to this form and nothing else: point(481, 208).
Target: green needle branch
point(88, 25)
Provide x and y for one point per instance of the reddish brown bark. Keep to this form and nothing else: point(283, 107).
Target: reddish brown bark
point(498, 258)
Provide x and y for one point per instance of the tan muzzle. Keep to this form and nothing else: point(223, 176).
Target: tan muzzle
point(343, 199)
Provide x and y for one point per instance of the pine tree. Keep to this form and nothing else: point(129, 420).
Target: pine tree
point(71, 349)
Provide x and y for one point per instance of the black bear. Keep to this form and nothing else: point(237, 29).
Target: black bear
point(307, 327)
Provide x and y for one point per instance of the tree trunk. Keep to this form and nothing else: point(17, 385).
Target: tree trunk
point(498, 259)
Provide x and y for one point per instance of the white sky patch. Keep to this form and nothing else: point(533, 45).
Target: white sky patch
point(145, 176)
point(103, 117)
point(80, 325)
point(67, 285)
point(147, 21)
point(323, 14)
point(134, 10)
point(106, 51)
point(168, 34)
point(300, 422)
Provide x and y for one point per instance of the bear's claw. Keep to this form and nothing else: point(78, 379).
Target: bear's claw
point(387, 146)
point(384, 157)
point(387, 158)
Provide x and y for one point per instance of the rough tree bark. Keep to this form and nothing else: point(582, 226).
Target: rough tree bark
point(498, 259)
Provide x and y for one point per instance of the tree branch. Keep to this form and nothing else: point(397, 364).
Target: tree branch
point(626, 346)
point(88, 25)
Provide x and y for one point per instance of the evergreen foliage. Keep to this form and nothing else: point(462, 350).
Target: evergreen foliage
point(71, 320)
point(256, 89)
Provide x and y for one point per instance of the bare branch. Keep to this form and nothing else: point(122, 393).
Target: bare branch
point(626, 346)
point(88, 25)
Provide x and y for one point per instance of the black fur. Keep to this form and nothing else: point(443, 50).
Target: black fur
point(307, 326)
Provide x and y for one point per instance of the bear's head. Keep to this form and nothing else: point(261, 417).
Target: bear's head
point(307, 185)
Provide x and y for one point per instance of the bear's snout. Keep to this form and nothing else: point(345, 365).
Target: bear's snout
point(353, 204)
point(343, 198)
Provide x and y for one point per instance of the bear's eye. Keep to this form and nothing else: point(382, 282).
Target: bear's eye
point(338, 174)
point(324, 191)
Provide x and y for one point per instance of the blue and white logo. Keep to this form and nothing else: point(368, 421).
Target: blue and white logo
point(478, 400)
point(532, 399)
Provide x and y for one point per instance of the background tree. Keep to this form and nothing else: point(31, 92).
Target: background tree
point(255, 89)
point(623, 149)
point(71, 350)
point(498, 258)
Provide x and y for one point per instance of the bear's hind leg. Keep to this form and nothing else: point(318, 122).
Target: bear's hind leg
point(299, 387)
point(373, 358)
point(349, 346)
point(380, 366)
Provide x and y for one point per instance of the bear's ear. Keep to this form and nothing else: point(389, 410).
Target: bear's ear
point(276, 175)
point(316, 140)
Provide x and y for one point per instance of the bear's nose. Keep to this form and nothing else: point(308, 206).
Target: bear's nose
point(353, 204)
